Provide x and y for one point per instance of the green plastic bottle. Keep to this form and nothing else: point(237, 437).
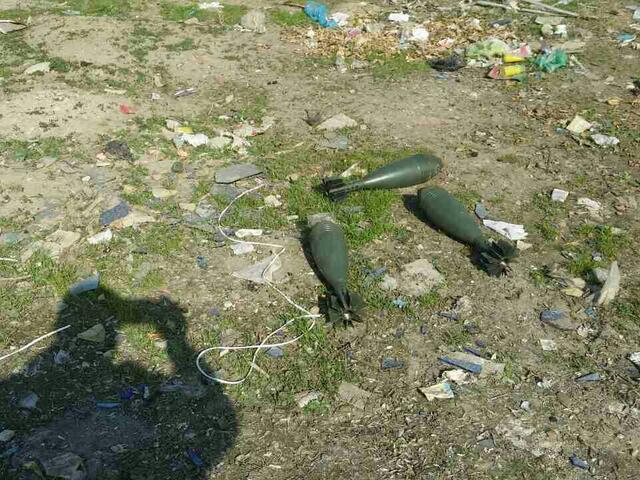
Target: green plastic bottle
point(330, 255)
point(407, 172)
point(446, 213)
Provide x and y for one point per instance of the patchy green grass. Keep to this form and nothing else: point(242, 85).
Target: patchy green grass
point(602, 240)
point(430, 300)
point(549, 212)
point(186, 44)
point(229, 15)
point(141, 41)
point(46, 272)
point(284, 18)
point(468, 197)
point(396, 66)
point(22, 150)
point(161, 239)
point(99, 8)
point(455, 335)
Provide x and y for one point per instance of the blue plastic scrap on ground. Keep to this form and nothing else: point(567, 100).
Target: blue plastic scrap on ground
point(578, 462)
point(195, 458)
point(468, 366)
point(589, 377)
point(108, 405)
point(319, 12)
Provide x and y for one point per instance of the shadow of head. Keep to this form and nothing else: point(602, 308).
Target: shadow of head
point(120, 387)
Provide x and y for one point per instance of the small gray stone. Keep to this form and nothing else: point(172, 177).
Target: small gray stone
point(95, 334)
point(29, 402)
point(233, 173)
point(254, 20)
point(338, 142)
point(337, 122)
point(559, 319)
point(6, 435)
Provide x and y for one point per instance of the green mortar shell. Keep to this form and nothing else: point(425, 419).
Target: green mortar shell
point(329, 251)
point(446, 213)
point(407, 172)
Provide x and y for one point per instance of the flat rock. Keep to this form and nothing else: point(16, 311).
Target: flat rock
point(219, 142)
point(134, 219)
point(85, 285)
point(67, 466)
point(353, 395)
point(29, 401)
point(337, 122)
point(102, 237)
point(6, 435)
point(558, 318)
point(233, 173)
point(419, 277)
point(254, 20)
point(95, 334)
point(115, 213)
point(439, 391)
point(55, 244)
point(261, 272)
point(43, 67)
point(162, 193)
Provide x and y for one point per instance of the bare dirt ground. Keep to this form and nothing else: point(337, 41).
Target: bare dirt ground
point(126, 401)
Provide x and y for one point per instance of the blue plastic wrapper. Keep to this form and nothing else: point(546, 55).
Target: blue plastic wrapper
point(468, 366)
point(195, 458)
point(108, 405)
point(319, 13)
point(578, 462)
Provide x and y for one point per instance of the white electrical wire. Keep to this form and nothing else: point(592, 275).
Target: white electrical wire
point(21, 349)
point(262, 345)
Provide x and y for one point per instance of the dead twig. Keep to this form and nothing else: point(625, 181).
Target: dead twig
point(5, 259)
point(484, 3)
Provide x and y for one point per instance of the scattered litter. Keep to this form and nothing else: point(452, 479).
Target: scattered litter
point(6, 435)
point(340, 18)
point(481, 211)
point(118, 149)
point(507, 72)
point(450, 63)
point(578, 462)
point(195, 458)
point(272, 201)
point(611, 285)
point(42, 67)
point(305, 398)
point(605, 140)
point(233, 173)
point(261, 272)
point(184, 92)
point(210, 6)
point(578, 125)
point(558, 195)
point(254, 20)
point(552, 61)
point(548, 345)
point(275, 352)
point(473, 363)
point(558, 319)
point(511, 231)
point(398, 17)
point(248, 232)
point(589, 377)
point(626, 38)
point(439, 391)
point(400, 303)
point(195, 140)
point(85, 285)
point(459, 376)
point(348, 392)
point(109, 216)
point(126, 109)
point(419, 34)
point(589, 204)
point(102, 237)
point(29, 402)
point(337, 122)
point(219, 142)
point(95, 334)
point(8, 26)
point(635, 358)
point(319, 13)
point(487, 49)
point(389, 363)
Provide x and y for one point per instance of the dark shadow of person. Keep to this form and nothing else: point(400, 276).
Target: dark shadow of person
point(101, 412)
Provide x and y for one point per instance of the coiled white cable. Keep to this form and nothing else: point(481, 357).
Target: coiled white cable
point(262, 345)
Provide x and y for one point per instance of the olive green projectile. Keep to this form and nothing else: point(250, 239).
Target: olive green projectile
point(403, 173)
point(445, 212)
